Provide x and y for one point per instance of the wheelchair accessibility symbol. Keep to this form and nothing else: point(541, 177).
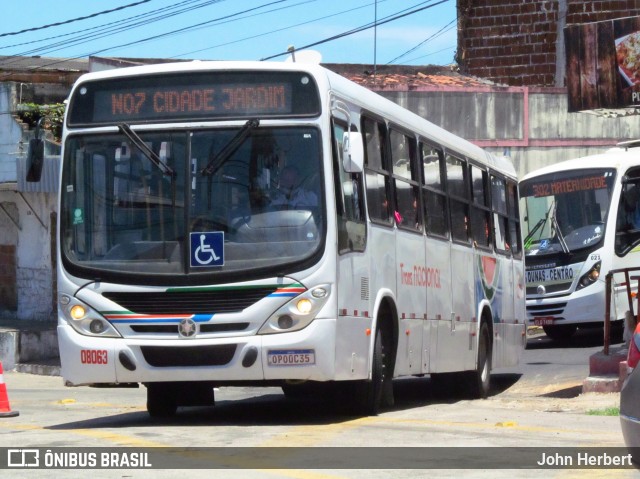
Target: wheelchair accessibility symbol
point(207, 248)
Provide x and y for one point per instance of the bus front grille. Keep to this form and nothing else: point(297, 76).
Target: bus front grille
point(190, 302)
point(173, 328)
point(188, 356)
point(549, 289)
point(553, 309)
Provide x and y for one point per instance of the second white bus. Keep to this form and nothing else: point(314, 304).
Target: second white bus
point(581, 220)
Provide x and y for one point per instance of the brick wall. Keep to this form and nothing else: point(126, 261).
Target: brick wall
point(516, 42)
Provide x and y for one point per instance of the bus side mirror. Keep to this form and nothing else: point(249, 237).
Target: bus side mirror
point(35, 158)
point(352, 152)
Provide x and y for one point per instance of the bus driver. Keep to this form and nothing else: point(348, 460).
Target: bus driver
point(291, 192)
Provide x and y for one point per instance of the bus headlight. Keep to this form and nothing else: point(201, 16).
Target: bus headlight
point(589, 277)
point(84, 319)
point(297, 313)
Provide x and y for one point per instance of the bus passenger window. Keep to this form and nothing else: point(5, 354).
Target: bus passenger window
point(457, 186)
point(435, 210)
point(499, 207)
point(459, 221)
point(514, 240)
point(405, 180)
point(376, 171)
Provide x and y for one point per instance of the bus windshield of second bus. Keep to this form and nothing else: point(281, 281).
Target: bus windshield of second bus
point(565, 211)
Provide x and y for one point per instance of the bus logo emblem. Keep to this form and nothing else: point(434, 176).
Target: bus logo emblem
point(187, 328)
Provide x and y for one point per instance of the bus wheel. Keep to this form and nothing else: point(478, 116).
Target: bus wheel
point(480, 378)
point(560, 332)
point(162, 400)
point(369, 396)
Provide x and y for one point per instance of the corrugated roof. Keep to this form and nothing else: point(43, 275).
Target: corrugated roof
point(18, 63)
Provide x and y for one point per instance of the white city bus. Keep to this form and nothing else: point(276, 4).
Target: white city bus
point(185, 263)
point(580, 223)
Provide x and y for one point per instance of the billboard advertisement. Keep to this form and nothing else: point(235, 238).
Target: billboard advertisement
point(603, 64)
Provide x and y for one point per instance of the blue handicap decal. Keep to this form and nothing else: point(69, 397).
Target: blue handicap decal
point(207, 249)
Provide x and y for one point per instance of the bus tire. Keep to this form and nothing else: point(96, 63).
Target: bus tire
point(480, 378)
point(162, 400)
point(368, 395)
point(560, 332)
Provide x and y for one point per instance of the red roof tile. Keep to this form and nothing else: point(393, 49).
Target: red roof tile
point(396, 77)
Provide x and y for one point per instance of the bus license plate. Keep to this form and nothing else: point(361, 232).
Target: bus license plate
point(294, 357)
point(547, 321)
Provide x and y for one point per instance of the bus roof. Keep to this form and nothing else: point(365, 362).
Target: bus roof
point(618, 158)
point(345, 88)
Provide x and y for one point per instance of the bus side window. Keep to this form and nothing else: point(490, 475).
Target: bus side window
point(349, 205)
point(435, 201)
point(628, 218)
point(499, 211)
point(480, 214)
point(376, 171)
point(514, 238)
point(405, 179)
point(458, 189)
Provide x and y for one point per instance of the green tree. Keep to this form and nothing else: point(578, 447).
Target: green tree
point(52, 117)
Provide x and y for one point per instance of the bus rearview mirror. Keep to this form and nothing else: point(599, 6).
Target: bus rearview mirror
point(352, 152)
point(35, 158)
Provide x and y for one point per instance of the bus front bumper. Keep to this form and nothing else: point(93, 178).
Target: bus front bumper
point(308, 354)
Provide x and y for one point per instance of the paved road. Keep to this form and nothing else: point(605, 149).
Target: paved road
point(538, 404)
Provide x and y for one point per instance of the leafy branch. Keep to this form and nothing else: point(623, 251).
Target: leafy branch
point(52, 117)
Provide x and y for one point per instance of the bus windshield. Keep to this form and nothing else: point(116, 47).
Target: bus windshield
point(191, 202)
point(565, 211)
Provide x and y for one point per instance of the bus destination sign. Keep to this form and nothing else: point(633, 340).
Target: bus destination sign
point(169, 102)
point(554, 187)
point(194, 96)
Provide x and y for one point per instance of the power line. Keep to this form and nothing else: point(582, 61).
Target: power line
point(111, 29)
point(252, 37)
point(358, 29)
point(435, 35)
point(408, 62)
point(74, 19)
point(182, 30)
point(124, 20)
point(145, 39)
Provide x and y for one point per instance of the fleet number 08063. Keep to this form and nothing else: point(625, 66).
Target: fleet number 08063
point(94, 356)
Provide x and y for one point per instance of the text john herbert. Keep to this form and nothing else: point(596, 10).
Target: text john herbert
point(584, 459)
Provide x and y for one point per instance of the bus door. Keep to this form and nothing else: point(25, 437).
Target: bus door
point(353, 265)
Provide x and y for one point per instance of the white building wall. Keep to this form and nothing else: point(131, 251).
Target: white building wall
point(34, 272)
point(10, 134)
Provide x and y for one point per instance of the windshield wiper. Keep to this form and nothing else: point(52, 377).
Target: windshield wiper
point(539, 226)
point(554, 222)
point(166, 170)
point(230, 148)
point(146, 151)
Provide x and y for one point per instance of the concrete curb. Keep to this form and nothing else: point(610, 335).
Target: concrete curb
point(29, 346)
point(606, 372)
